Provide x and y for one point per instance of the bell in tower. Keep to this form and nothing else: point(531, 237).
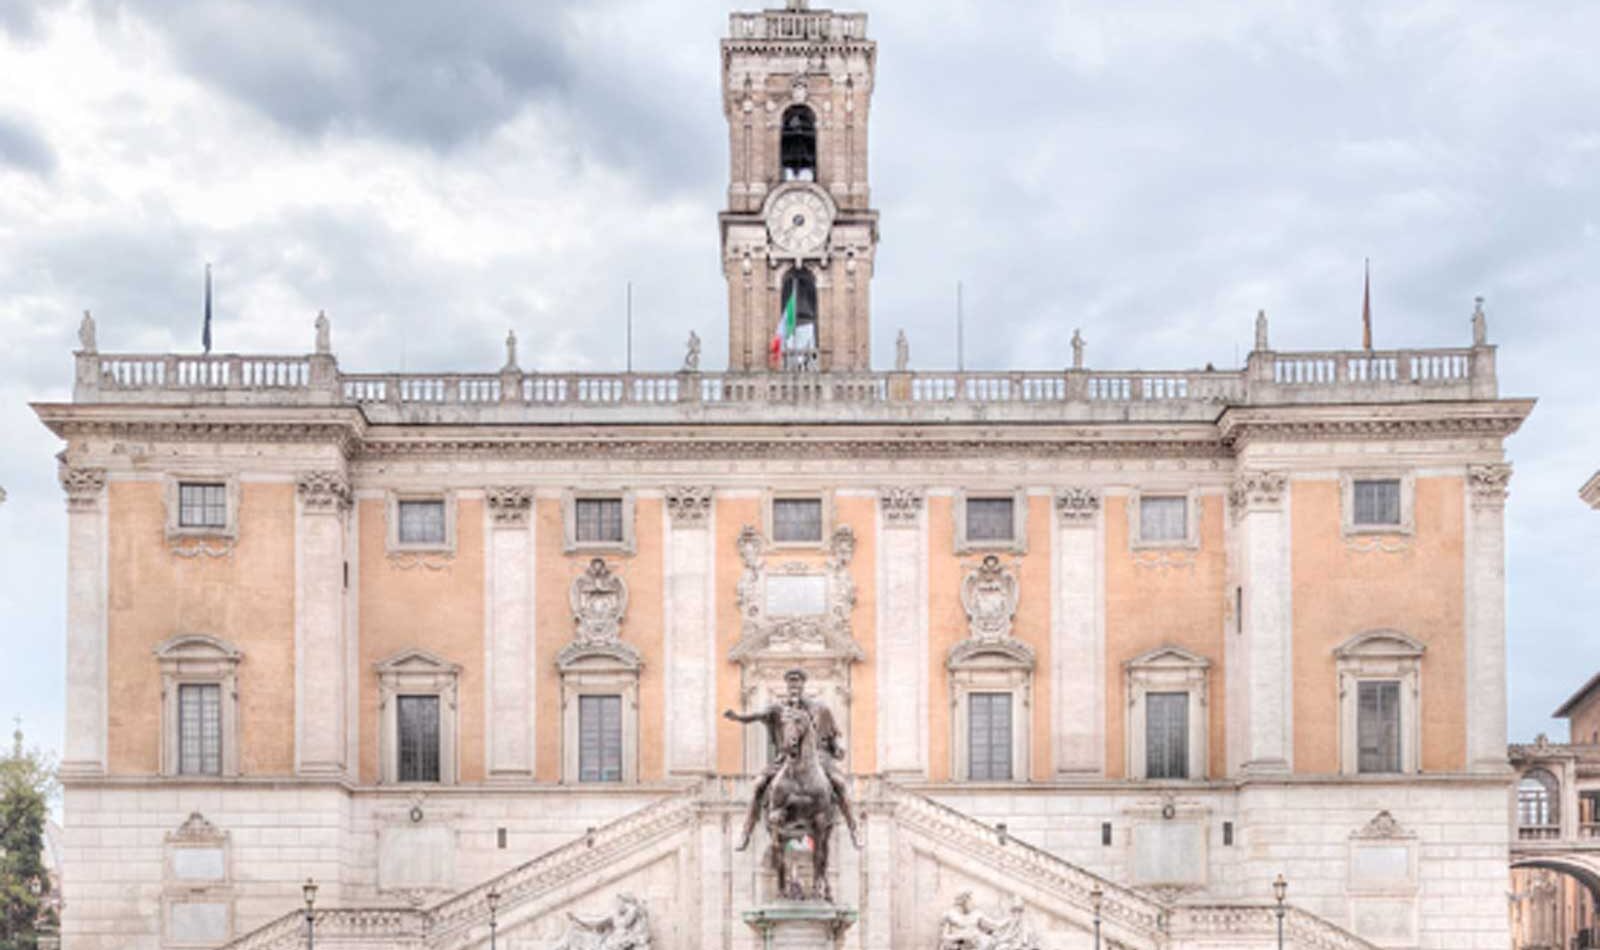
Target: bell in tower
point(799, 234)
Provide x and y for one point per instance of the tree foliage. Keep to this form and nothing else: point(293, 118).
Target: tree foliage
point(27, 784)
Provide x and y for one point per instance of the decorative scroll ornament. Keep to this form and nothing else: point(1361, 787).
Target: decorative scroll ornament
point(824, 633)
point(510, 506)
point(196, 828)
point(82, 485)
point(1489, 484)
point(989, 594)
point(1255, 488)
point(1078, 506)
point(323, 491)
point(599, 599)
point(689, 506)
point(902, 506)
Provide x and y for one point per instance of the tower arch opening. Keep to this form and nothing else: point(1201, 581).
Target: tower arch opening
point(798, 147)
point(799, 350)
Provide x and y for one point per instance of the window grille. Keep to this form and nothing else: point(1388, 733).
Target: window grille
point(600, 738)
point(1166, 743)
point(422, 522)
point(1378, 726)
point(417, 719)
point(1163, 518)
point(202, 505)
point(989, 737)
point(991, 519)
point(797, 519)
point(1377, 501)
point(199, 729)
point(599, 520)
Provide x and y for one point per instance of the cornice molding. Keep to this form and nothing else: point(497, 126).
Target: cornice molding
point(1239, 426)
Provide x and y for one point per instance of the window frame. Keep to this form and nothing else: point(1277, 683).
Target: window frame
point(1380, 655)
point(1191, 518)
point(1168, 669)
point(583, 699)
point(598, 669)
point(172, 498)
point(193, 688)
point(393, 500)
point(400, 700)
point(1016, 544)
point(569, 521)
point(1010, 724)
point(769, 504)
point(197, 659)
point(991, 666)
point(417, 673)
point(1347, 504)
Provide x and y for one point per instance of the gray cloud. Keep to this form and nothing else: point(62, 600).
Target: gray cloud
point(23, 147)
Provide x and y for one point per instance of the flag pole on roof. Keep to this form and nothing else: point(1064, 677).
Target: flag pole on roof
point(205, 332)
point(1366, 306)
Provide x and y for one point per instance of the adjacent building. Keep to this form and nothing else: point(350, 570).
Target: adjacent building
point(1122, 644)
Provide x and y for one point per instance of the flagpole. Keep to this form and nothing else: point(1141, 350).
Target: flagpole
point(1366, 304)
point(205, 332)
point(630, 326)
point(961, 343)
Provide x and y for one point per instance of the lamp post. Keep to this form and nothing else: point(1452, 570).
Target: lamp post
point(309, 889)
point(1280, 887)
point(493, 897)
point(1096, 896)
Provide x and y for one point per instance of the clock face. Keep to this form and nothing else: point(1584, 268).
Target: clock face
point(799, 220)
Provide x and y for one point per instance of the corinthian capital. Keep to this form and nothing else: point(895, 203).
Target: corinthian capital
point(1488, 484)
point(82, 485)
point(510, 505)
point(323, 492)
point(901, 506)
point(1078, 505)
point(689, 506)
point(1257, 488)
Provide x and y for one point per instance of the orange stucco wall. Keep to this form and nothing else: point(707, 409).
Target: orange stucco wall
point(1341, 591)
point(245, 597)
point(947, 626)
point(1164, 597)
point(438, 607)
point(732, 515)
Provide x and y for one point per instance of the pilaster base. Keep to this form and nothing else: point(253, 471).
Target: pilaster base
point(800, 925)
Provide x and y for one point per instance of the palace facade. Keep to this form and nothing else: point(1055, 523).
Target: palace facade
point(1123, 645)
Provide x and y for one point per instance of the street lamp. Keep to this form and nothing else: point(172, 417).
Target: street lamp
point(493, 897)
point(1096, 896)
point(309, 889)
point(1280, 887)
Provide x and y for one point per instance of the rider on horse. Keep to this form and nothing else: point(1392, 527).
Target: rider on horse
point(828, 741)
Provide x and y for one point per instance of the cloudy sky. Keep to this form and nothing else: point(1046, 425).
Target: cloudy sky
point(435, 173)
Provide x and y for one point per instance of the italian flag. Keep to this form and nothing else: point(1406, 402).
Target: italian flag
point(785, 329)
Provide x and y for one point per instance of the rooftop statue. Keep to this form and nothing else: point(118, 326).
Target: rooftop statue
point(802, 787)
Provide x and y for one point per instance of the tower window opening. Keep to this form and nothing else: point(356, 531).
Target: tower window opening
point(798, 149)
point(797, 350)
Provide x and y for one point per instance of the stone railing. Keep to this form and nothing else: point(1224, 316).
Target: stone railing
point(797, 26)
point(400, 928)
point(1270, 378)
point(1301, 930)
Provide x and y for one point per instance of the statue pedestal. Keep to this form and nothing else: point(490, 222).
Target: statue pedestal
point(800, 925)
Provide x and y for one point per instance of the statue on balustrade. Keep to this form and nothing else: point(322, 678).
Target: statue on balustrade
point(802, 786)
point(625, 928)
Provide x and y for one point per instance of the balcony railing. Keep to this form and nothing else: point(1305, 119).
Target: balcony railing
point(1060, 395)
point(1538, 832)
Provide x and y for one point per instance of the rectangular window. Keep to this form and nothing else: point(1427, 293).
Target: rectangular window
point(796, 519)
point(1378, 726)
point(599, 520)
point(202, 505)
point(599, 738)
point(422, 522)
point(1163, 518)
point(1377, 501)
point(1166, 735)
point(989, 737)
point(991, 519)
point(417, 718)
point(199, 729)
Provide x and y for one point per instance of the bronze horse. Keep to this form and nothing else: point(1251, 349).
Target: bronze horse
point(800, 805)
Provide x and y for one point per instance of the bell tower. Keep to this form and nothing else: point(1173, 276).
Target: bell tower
point(799, 234)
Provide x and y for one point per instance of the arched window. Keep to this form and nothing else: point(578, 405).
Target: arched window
point(1538, 800)
point(798, 149)
point(798, 351)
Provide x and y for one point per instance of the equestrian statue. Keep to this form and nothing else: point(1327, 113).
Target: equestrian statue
point(802, 785)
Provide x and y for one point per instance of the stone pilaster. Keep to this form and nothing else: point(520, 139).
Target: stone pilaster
point(87, 518)
point(690, 615)
point(1077, 635)
point(902, 634)
point(1486, 617)
point(509, 637)
point(1265, 698)
point(320, 635)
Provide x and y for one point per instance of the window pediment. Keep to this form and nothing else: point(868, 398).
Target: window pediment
point(991, 654)
point(197, 647)
point(1168, 658)
point(1380, 644)
point(614, 656)
point(416, 661)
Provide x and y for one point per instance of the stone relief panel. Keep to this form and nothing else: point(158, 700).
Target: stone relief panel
point(689, 506)
point(509, 506)
point(599, 599)
point(902, 507)
point(989, 595)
